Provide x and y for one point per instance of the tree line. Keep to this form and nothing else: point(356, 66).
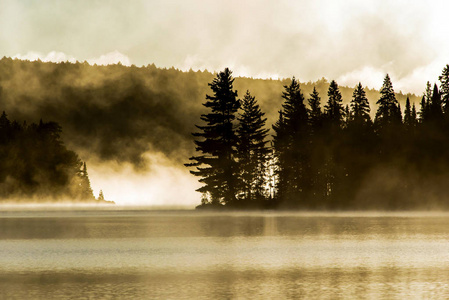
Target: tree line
point(324, 157)
point(126, 110)
point(36, 165)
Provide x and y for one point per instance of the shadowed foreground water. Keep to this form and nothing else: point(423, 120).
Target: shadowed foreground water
point(196, 255)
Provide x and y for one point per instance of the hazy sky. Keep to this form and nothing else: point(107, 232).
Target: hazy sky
point(350, 40)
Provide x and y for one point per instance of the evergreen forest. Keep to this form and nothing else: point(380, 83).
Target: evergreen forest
point(36, 166)
point(118, 113)
point(322, 154)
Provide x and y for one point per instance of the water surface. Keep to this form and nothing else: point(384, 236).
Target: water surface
point(196, 255)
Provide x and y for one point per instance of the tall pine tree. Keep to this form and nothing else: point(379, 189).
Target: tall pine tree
point(291, 145)
point(86, 192)
point(388, 112)
point(424, 110)
point(435, 106)
point(444, 87)
point(414, 115)
point(408, 118)
point(316, 114)
point(333, 121)
point(333, 110)
point(217, 141)
point(360, 110)
point(252, 150)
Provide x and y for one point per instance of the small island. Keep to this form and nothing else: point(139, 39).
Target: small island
point(336, 158)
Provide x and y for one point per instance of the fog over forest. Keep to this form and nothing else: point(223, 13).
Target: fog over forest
point(133, 122)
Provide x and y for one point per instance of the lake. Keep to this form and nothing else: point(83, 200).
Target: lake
point(150, 254)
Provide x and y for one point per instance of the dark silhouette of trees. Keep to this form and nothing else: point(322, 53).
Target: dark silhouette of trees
point(435, 105)
point(424, 110)
point(84, 183)
point(37, 166)
point(444, 87)
point(217, 165)
point(334, 171)
point(316, 113)
point(252, 151)
point(408, 114)
point(360, 110)
point(340, 158)
point(333, 110)
point(388, 112)
point(291, 145)
point(318, 146)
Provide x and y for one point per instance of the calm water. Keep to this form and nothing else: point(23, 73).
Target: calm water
point(194, 255)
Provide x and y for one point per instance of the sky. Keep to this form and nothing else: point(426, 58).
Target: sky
point(345, 40)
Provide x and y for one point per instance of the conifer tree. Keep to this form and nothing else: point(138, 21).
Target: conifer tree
point(360, 109)
point(351, 151)
point(316, 114)
point(252, 149)
point(318, 148)
point(4, 121)
point(428, 93)
point(424, 111)
point(291, 142)
point(216, 164)
point(399, 113)
point(414, 116)
point(86, 192)
point(444, 87)
point(408, 121)
point(434, 107)
point(334, 110)
point(388, 112)
point(280, 145)
point(333, 121)
point(347, 115)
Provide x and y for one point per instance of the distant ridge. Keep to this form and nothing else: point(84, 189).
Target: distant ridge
point(119, 113)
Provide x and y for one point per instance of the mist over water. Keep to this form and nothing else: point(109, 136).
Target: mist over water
point(193, 255)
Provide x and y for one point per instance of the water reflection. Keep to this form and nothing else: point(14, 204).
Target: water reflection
point(202, 256)
point(331, 283)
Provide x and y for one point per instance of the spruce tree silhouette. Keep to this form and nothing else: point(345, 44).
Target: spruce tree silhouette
point(216, 164)
point(444, 87)
point(86, 192)
point(333, 123)
point(318, 144)
point(292, 145)
point(407, 113)
point(252, 152)
point(388, 112)
point(316, 114)
point(360, 110)
point(334, 110)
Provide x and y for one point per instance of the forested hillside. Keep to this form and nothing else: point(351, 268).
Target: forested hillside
point(118, 113)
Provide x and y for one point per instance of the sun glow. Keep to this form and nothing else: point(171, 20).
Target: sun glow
point(162, 184)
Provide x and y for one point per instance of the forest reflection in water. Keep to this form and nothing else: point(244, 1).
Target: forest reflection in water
point(189, 254)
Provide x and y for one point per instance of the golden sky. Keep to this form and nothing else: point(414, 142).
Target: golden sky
point(346, 40)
